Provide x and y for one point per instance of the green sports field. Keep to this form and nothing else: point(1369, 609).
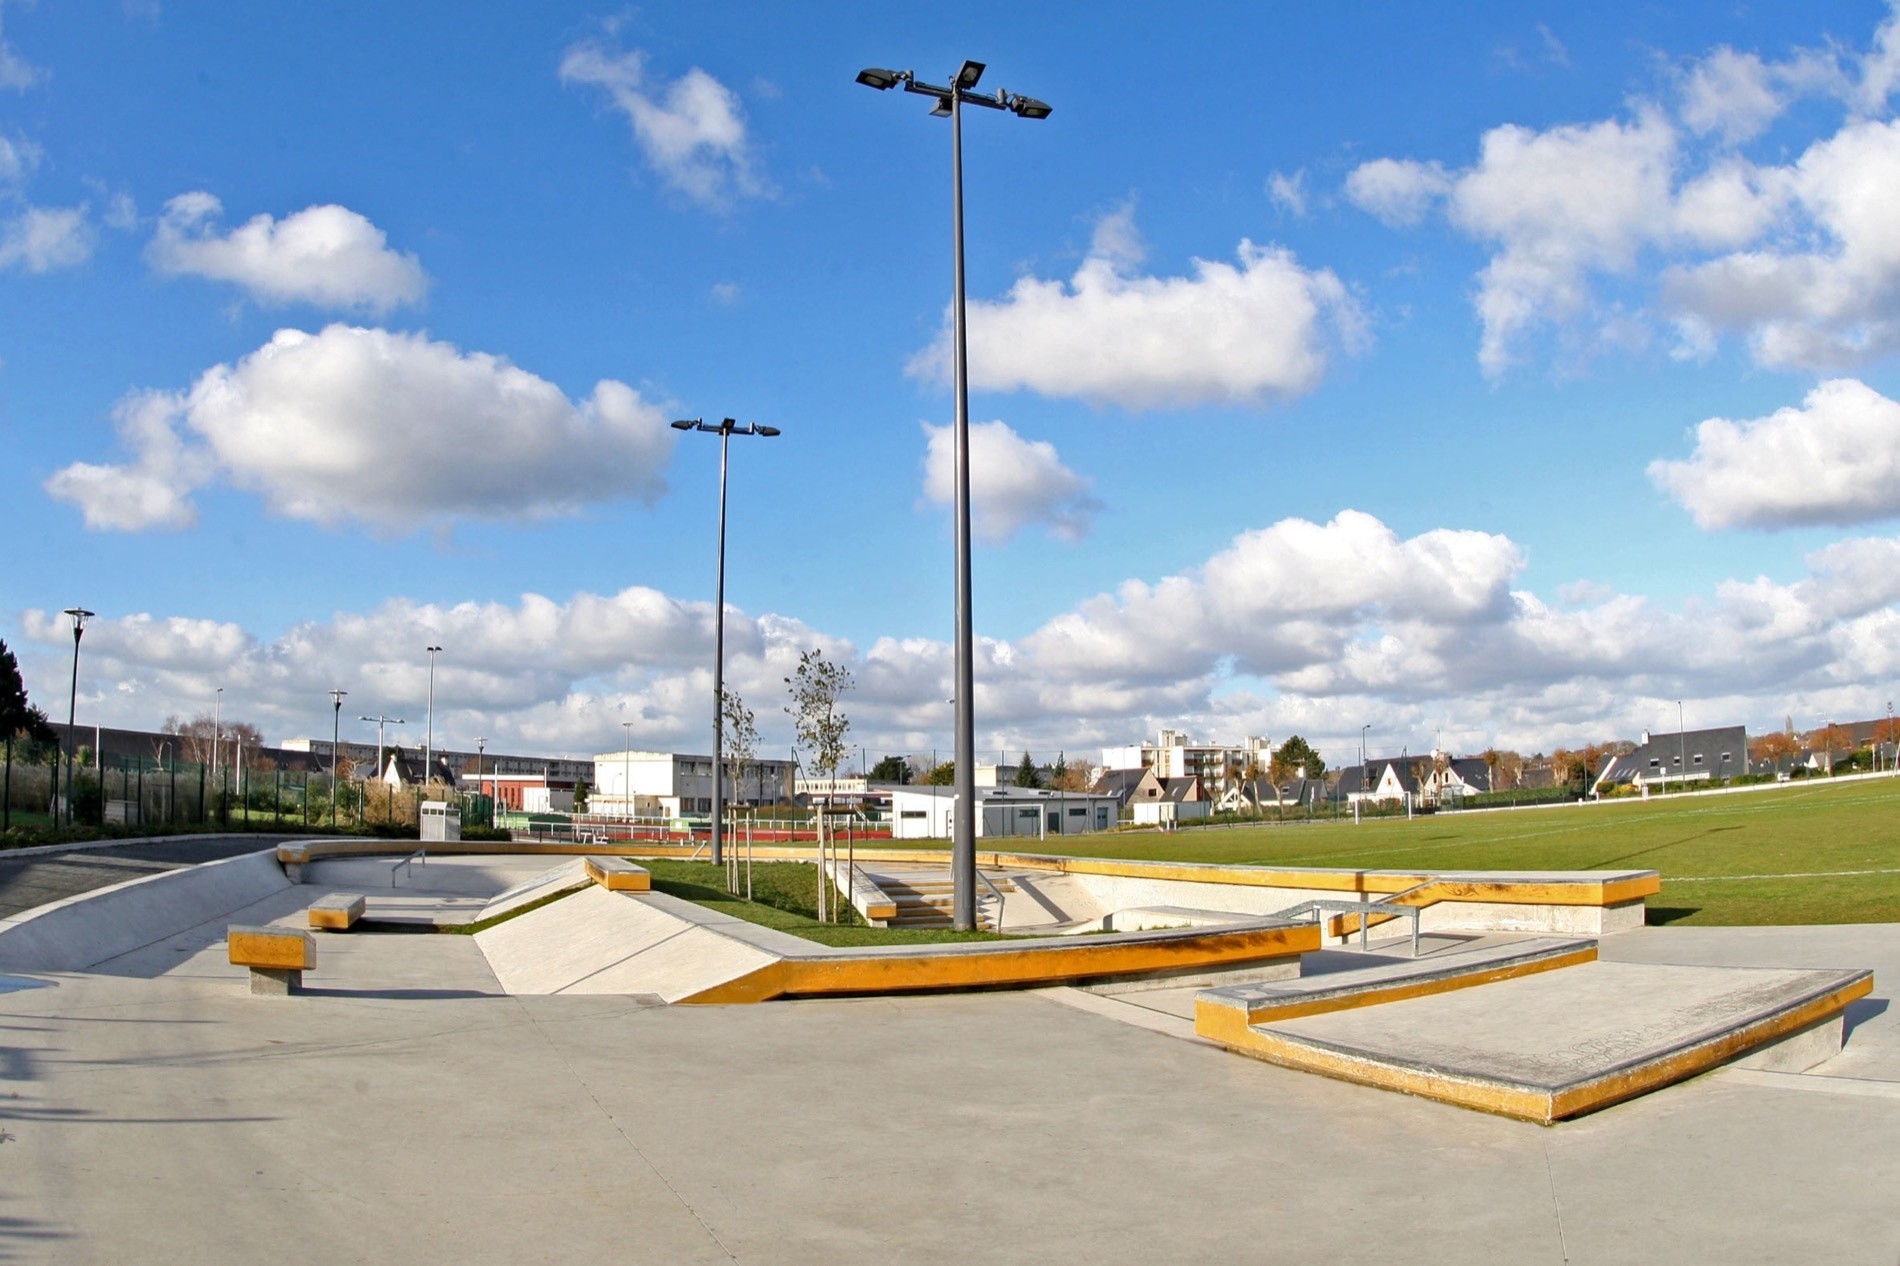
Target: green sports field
point(1797, 853)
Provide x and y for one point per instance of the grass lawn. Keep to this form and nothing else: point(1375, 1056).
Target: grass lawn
point(1800, 853)
point(785, 896)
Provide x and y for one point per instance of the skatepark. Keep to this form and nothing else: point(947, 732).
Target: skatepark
point(609, 1075)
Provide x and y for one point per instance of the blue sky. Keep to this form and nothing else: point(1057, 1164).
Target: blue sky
point(1506, 376)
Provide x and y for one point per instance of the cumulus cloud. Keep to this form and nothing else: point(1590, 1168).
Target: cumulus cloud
point(15, 71)
point(1834, 460)
point(692, 131)
point(387, 429)
point(1288, 192)
point(18, 158)
point(1253, 332)
point(1799, 259)
point(41, 239)
point(1296, 626)
point(1014, 483)
point(1831, 297)
point(325, 255)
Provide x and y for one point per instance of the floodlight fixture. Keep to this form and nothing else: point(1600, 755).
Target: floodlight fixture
point(942, 109)
point(686, 424)
point(874, 77)
point(1029, 107)
point(969, 74)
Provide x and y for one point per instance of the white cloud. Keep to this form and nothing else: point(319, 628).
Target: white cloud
point(1398, 192)
point(41, 239)
point(18, 158)
point(1249, 333)
point(1014, 483)
point(1830, 299)
point(1732, 94)
point(1806, 258)
point(692, 131)
point(1835, 460)
point(392, 430)
point(15, 71)
point(1301, 626)
point(1288, 192)
point(725, 293)
point(325, 255)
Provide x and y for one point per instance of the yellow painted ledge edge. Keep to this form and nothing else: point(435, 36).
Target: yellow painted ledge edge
point(1033, 963)
point(1542, 1107)
point(1399, 991)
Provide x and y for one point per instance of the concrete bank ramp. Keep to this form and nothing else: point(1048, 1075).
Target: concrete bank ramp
point(605, 942)
point(93, 927)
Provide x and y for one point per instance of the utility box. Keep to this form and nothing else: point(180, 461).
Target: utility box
point(441, 821)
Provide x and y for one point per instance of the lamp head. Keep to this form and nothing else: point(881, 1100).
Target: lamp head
point(942, 109)
point(967, 77)
point(1030, 108)
point(686, 424)
point(873, 77)
point(767, 431)
point(80, 615)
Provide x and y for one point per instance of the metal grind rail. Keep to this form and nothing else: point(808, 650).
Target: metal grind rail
point(1365, 908)
point(402, 867)
point(996, 924)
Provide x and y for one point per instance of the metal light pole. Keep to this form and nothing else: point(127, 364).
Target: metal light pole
point(217, 734)
point(80, 615)
point(950, 102)
point(725, 430)
point(626, 773)
point(336, 717)
point(1362, 771)
point(1682, 749)
point(428, 742)
point(481, 749)
point(381, 721)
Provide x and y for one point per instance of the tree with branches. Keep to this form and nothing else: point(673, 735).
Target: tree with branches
point(817, 687)
point(19, 716)
point(739, 738)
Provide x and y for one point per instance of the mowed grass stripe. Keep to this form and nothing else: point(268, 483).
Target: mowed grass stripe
point(1810, 852)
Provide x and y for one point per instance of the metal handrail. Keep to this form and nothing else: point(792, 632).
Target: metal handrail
point(998, 894)
point(422, 853)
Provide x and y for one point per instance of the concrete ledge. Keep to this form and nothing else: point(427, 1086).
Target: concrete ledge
point(617, 874)
point(1544, 1048)
point(1016, 964)
point(1227, 1010)
point(337, 912)
point(274, 948)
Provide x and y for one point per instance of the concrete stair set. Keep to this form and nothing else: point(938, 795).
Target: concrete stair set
point(931, 903)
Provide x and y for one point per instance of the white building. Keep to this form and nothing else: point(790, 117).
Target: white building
point(922, 813)
point(1221, 767)
point(670, 785)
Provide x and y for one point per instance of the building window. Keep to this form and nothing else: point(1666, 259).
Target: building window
point(1725, 758)
point(1653, 762)
point(1026, 813)
point(912, 813)
point(1078, 813)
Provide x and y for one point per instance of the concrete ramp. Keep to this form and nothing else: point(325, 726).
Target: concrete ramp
point(598, 941)
point(94, 927)
point(1558, 1044)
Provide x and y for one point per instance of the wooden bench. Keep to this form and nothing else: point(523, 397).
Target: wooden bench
point(337, 912)
point(617, 874)
point(277, 957)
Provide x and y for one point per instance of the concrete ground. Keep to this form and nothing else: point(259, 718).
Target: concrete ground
point(152, 1111)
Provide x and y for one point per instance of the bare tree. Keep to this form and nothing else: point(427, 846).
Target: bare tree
point(817, 687)
point(740, 741)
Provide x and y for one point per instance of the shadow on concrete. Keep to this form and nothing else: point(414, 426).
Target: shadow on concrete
point(1658, 916)
point(18, 1235)
point(314, 991)
point(1858, 1013)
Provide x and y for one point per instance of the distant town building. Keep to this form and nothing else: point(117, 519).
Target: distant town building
point(1221, 767)
point(1688, 756)
point(669, 785)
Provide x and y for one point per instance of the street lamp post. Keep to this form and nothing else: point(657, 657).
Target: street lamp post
point(336, 717)
point(725, 430)
point(381, 721)
point(217, 736)
point(626, 777)
point(1362, 771)
point(428, 742)
point(1682, 749)
point(80, 615)
point(481, 749)
point(950, 102)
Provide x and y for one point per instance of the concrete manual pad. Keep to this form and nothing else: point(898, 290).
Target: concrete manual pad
point(1559, 1044)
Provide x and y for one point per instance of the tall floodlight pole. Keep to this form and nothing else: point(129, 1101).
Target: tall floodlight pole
point(950, 102)
point(217, 733)
point(381, 721)
point(1682, 748)
point(336, 719)
point(725, 430)
point(428, 742)
point(1362, 770)
point(80, 615)
point(626, 772)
